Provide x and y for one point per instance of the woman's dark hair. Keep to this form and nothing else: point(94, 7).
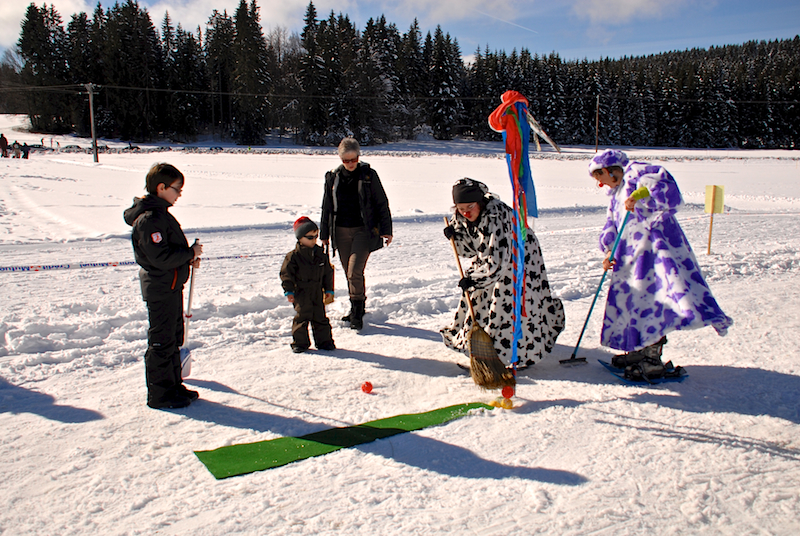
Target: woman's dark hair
point(161, 173)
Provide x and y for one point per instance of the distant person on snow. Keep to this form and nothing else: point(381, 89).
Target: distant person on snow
point(307, 281)
point(162, 251)
point(356, 220)
point(482, 228)
point(3, 146)
point(17, 149)
point(656, 286)
point(25, 150)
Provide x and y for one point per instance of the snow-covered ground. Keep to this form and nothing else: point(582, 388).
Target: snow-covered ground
point(580, 453)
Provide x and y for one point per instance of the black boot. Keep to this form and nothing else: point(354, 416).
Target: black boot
point(357, 314)
point(632, 358)
point(348, 316)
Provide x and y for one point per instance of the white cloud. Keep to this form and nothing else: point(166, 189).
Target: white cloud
point(444, 11)
point(624, 11)
point(12, 13)
point(193, 13)
point(189, 13)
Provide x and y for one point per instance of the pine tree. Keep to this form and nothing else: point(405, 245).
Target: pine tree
point(79, 60)
point(11, 102)
point(133, 65)
point(379, 80)
point(220, 61)
point(287, 52)
point(478, 87)
point(445, 70)
point(250, 76)
point(188, 77)
point(312, 79)
point(412, 82)
point(43, 46)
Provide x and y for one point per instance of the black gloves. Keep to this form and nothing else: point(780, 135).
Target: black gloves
point(466, 283)
point(449, 232)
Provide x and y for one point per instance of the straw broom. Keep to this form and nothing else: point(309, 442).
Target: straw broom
point(485, 367)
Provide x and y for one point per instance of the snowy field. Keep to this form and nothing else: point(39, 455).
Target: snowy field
point(579, 454)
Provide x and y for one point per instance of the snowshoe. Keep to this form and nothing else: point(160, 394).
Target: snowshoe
point(647, 369)
point(653, 351)
point(671, 374)
point(623, 360)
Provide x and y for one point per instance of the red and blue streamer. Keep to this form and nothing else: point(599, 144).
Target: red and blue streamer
point(510, 118)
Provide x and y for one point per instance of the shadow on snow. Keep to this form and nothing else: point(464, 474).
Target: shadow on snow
point(15, 399)
point(719, 389)
point(443, 458)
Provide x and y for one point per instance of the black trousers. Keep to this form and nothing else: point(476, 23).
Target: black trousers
point(313, 313)
point(162, 361)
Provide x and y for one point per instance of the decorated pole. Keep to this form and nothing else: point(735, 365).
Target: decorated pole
point(511, 119)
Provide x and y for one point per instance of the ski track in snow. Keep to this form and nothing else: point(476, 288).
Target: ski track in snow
point(580, 454)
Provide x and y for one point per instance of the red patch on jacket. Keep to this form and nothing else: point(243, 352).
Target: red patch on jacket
point(156, 238)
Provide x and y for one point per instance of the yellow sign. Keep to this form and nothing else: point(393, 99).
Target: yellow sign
point(715, 199)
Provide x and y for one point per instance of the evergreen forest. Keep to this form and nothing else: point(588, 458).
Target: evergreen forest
point(232, 81)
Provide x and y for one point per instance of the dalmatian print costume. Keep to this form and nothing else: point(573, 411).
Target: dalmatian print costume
point(656, 286)
point(488, 243)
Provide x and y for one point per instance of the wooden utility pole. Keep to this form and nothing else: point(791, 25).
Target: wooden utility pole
point(597, 124)
point(90, 89)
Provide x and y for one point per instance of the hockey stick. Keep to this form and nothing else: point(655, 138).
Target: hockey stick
point(582, 360)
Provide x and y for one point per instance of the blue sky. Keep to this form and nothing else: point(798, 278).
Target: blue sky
point(576, 29)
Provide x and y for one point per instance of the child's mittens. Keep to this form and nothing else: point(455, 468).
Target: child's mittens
point(327, 298)
point(640, 193)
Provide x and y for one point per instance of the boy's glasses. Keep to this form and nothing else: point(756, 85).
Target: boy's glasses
point(311, 236)
point(350, 160)
point(179, 190)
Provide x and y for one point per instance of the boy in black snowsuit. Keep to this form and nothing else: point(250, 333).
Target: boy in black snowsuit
point(162, 251)
point(307, 281)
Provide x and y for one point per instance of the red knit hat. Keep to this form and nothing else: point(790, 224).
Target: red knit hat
point(302, 226)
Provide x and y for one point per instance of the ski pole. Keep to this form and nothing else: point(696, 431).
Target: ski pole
point(573, 359)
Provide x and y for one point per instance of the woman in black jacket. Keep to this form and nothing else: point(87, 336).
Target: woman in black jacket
point(356, 220)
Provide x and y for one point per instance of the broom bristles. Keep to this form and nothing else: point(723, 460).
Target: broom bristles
point(486, 368)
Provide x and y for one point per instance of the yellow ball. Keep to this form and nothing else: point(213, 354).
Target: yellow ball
point(495, 403)
point(506, 403)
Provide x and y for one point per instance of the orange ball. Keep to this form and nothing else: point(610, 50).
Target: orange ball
point(366, 387)
point(508, 391)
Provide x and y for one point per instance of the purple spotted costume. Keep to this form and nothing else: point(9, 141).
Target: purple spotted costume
point(656, 286)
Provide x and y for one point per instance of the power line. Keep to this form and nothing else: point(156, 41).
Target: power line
point(79, 89)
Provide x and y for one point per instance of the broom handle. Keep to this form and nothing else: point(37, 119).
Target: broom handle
point(188, 314)
point(613, 250)
point(461, 271)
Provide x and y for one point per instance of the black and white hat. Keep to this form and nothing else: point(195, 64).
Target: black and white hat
point(468, 191)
